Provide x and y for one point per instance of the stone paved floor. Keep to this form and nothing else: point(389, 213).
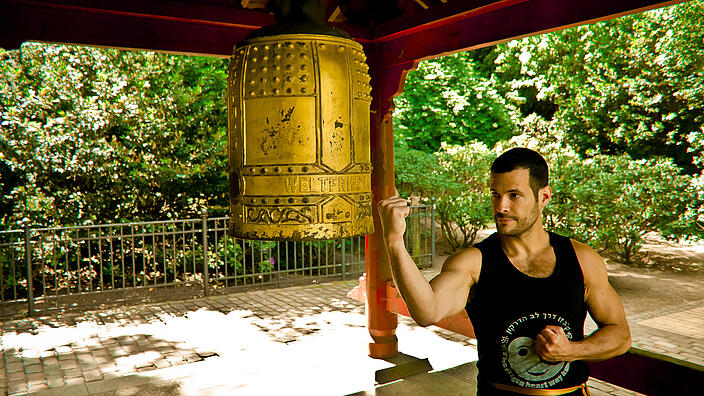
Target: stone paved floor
point(298, 340)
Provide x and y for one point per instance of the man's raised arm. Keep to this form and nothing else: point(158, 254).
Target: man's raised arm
point(447, 293)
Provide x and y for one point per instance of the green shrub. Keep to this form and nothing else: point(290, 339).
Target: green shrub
point(457, 177)
point(613, 201)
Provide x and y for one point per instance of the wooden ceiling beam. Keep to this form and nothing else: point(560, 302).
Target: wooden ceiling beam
point(492, 25)
point(170, 26)
point(438, 15)
point(206, 13)
point(160, 25)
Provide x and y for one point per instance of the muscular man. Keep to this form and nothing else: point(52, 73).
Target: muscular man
point(526, 290)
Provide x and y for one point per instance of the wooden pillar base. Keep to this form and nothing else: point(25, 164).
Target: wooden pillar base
point(379, 350)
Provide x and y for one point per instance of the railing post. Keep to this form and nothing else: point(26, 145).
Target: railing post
point(344, 265)
point(432, 233)
point(28, 265)
point(206, 276)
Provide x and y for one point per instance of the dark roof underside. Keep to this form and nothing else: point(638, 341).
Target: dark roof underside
point(401, 30)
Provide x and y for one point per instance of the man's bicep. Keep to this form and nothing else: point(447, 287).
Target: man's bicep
point(451, 286)
point(605, 306)
point(602, 301)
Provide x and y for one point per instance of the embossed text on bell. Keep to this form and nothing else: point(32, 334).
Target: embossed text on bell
point(298, 112)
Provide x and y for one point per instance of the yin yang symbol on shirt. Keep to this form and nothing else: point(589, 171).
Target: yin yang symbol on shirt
point(520, 361)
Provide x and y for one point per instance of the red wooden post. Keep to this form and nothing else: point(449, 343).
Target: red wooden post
point(386, 83)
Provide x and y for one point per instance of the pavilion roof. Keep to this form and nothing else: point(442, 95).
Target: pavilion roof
point(403, 30)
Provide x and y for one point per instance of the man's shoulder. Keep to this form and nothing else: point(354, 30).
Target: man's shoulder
point(470, 254)
point(590, 261)
point(467, 261)
point(584, 251)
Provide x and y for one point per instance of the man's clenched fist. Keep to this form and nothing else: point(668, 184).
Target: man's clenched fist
point(393, 212)
point(552, 345)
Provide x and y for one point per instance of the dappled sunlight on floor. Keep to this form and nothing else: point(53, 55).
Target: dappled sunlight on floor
point(299, 340)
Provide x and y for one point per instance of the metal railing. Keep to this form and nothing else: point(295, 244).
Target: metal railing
point(86, 266)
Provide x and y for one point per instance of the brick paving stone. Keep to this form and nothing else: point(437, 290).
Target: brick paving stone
point(101, 352)
point(86, 358)
point(174, 357)
point(162, 363)
point(67, 357)
point(63, 349)
point(17, 376)
point(53, 370)
point(117, 352)
point(88, 366)
point(165, 349)
point(73, 373)
point(193, 357)
point(101, 359)
point(75, 381)
point(80, 348)
point(108, 368)
point(55, 381)
point(92, 375)
point(146, 368)
point(14, 388)
point(37, 387)
point(36, 377)
point(12, 359)
point(68, 364)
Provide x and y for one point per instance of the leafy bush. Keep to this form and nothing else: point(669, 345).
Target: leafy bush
point(464, 202)
point(612, 201)
point(457, 177)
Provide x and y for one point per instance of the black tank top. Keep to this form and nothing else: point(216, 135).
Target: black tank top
point(509, 308)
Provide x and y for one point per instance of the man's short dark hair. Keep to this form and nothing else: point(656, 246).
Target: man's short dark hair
point(523, 158)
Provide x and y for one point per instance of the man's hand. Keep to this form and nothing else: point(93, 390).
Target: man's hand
point(552, 345)
point(393, 212)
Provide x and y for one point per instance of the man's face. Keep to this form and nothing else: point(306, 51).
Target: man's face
point(516, 209)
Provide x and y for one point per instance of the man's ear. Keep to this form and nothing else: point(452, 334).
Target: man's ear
point(544, 195)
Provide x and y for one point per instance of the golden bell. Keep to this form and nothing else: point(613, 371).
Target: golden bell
point(298, 115)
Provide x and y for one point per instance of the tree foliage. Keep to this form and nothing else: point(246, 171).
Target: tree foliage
point(631, 85)
point(95, 135)
point(445, 100)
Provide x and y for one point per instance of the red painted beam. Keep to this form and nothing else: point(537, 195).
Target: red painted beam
point(440, 15)
point(32, 21)
point(170, 26)
point(502, 24)
point(192, 12)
